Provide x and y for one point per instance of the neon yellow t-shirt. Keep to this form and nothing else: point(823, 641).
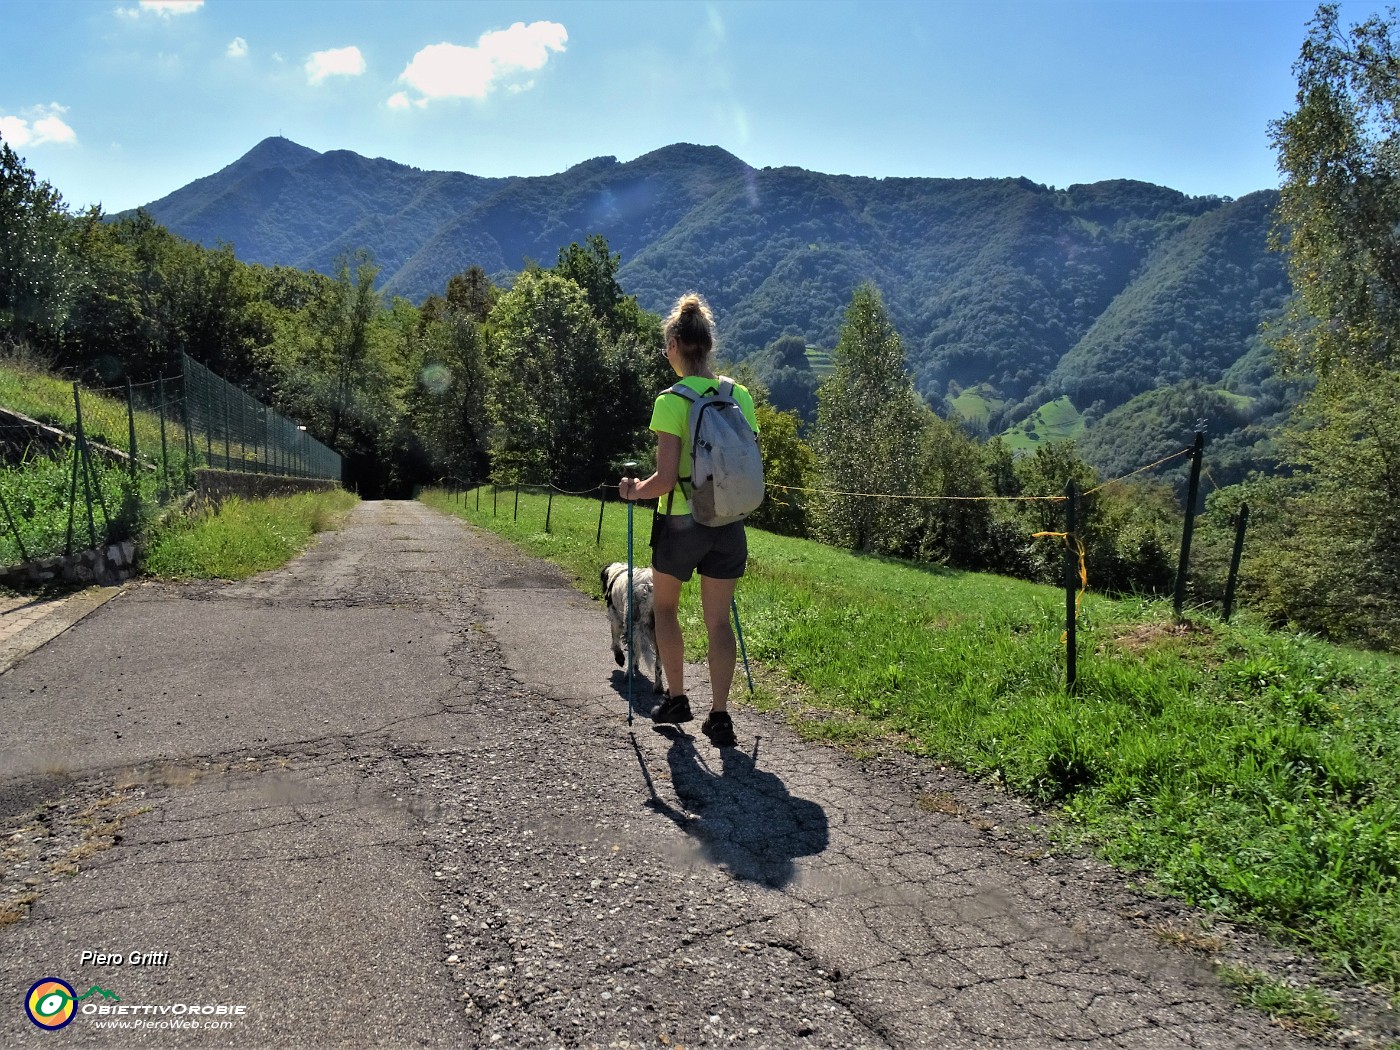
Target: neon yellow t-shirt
point(671, 415)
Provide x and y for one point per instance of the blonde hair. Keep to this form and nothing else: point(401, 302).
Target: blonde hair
point(692, 326)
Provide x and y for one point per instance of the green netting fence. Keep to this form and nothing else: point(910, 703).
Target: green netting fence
point(86, 474)
point(229, 430)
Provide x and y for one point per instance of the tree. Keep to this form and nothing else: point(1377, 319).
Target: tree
point(957, 528)
point(550, 405)
point(787, 461)
point(869, 428)
point(1337, 216)
point(447, 405)
point(594, 269)
point(36, 271)
point(471, 294)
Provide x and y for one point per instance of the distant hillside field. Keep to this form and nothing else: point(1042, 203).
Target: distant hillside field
point(1057, 421)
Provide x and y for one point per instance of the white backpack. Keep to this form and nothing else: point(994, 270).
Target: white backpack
point(726, 467)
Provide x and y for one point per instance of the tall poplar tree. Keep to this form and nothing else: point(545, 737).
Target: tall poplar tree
point(870, 423)
point(1339, 152)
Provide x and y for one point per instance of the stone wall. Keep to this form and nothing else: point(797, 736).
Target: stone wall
point(106, 565)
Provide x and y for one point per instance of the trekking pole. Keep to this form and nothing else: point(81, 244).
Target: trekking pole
point(734, 608)
point(628, 467)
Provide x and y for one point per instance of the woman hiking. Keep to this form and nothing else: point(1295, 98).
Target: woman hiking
point(680, 545)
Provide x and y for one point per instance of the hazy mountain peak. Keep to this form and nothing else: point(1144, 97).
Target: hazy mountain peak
point(273, 152)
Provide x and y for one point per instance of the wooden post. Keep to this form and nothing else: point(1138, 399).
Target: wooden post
point(1241, 519)
point(1071, 586)
point(1192, 493)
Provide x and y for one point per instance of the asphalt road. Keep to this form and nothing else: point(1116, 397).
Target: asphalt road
point(389, 797)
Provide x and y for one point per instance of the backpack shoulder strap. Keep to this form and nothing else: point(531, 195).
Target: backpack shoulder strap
point(681, 390)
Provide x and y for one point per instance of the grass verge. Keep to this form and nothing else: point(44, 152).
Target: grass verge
point(1246, 771)
point(243, 537)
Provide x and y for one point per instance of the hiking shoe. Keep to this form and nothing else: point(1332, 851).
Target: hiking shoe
point(719, 727)
point(673, 710)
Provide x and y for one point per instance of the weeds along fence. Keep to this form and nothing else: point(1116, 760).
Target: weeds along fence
point(506, 499)
point(95, 469)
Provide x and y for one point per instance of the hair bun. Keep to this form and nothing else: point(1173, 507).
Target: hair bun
point(692, 325)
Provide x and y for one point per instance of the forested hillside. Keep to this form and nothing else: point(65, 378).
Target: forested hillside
point(1100, 292)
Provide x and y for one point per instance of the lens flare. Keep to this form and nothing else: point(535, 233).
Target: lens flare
point(435, 379)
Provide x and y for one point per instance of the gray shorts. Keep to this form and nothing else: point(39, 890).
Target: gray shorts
point(679, 547)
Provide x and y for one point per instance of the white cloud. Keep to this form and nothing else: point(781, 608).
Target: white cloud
point(454, 71)
point(340, 62)
point(399, 101)
point(163, 8)
point(38, 126)
point(237, 48)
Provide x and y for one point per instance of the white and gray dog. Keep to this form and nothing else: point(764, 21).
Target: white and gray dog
point(643, 640)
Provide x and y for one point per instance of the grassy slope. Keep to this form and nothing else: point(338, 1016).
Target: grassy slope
point(1243, 770)
point(976, 404)
point(820, 360)
point(1057, 421)
point(49, 399)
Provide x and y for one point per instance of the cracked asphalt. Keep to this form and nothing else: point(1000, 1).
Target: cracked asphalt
point(388, 796)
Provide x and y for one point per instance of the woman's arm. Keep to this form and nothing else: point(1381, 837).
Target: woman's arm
point(668, 463)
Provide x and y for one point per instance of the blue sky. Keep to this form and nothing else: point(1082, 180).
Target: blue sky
point(119, 102)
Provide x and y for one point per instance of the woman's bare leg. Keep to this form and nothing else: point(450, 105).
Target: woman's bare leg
point(666, 603)
point(715, 599)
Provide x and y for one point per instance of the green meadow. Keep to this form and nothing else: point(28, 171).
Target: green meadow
point(1058, 420)
point(1247, 771)
point(976, 404)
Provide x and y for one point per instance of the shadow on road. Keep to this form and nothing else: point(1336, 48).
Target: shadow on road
point(742, 817)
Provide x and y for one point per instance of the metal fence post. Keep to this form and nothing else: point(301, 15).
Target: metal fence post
point(602, 503)
point(1193, 491)
point(130, 430)
point(164, 451)
point(185, 408)
point(1241, 520)
point(1071, 585)
point(19, 540)
point(86, 466)
point(228, 452)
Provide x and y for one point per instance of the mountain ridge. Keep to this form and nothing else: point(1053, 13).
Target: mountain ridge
point(1031, 289)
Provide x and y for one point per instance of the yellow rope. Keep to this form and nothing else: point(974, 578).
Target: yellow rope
point(1164, 459)
point(1076, 545)
point(886, 495)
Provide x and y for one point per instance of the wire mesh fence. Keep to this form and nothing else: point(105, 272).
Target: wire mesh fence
point(91, 474)
point(232, 431)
